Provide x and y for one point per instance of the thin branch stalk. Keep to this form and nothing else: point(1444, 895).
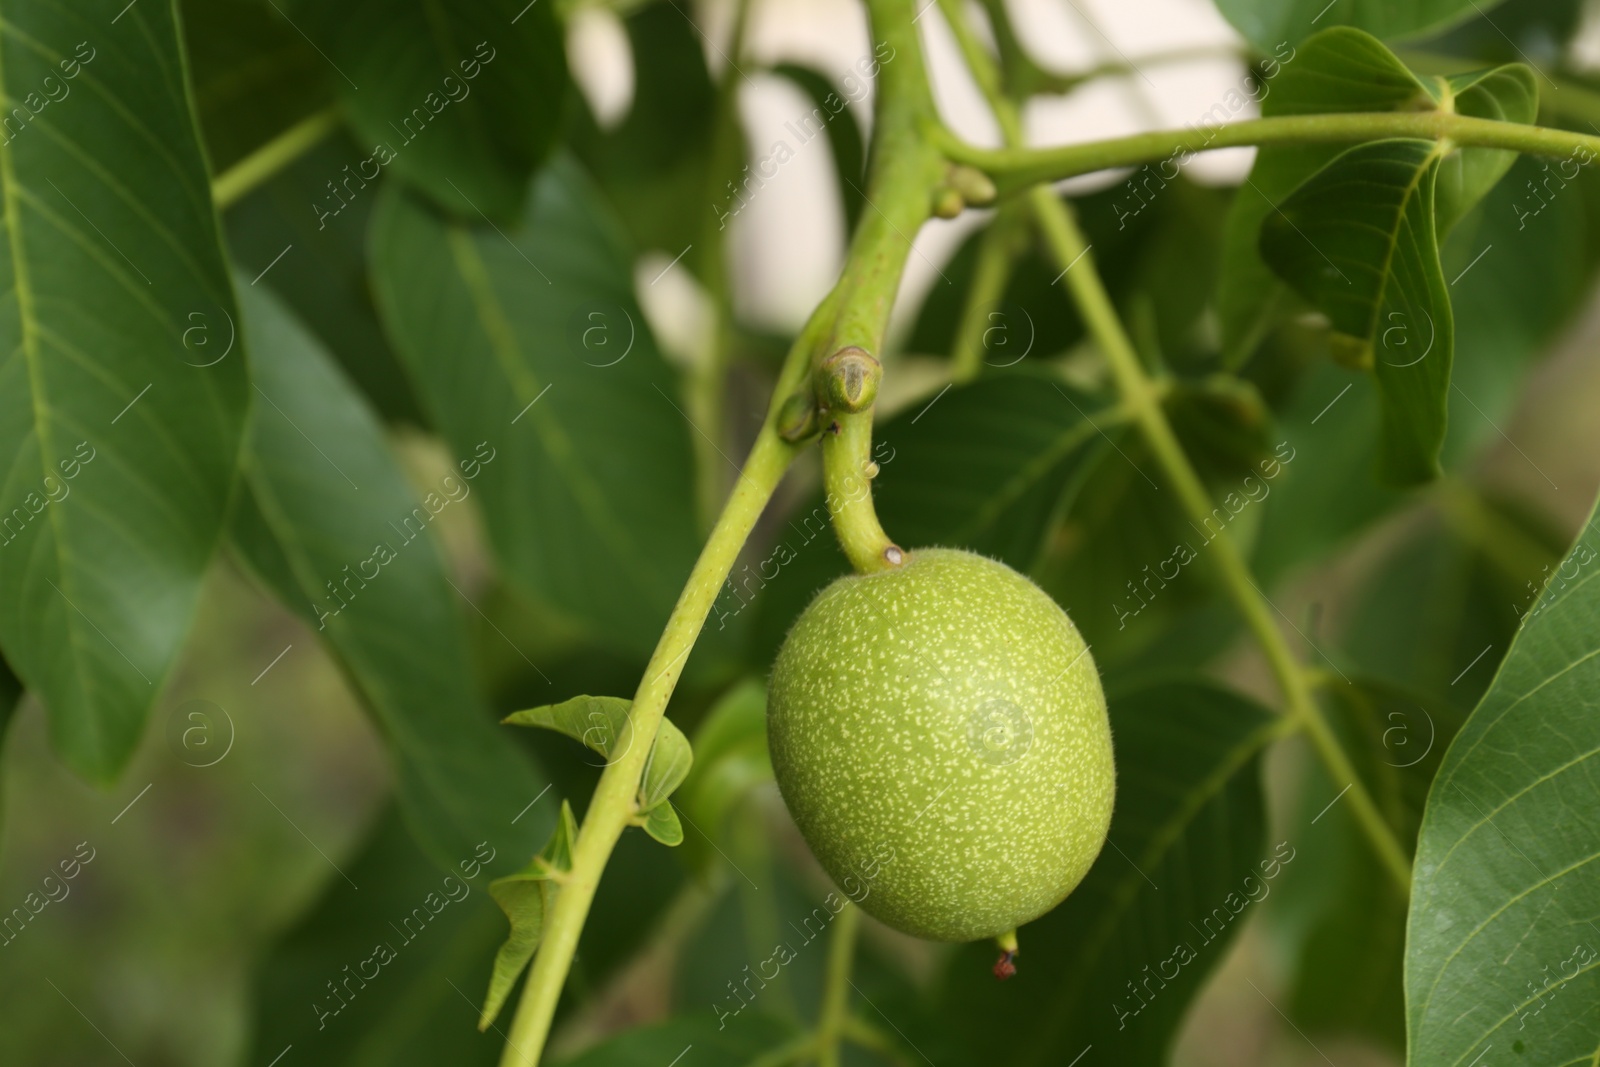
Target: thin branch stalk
point(1016, 169)
point(1142, 396)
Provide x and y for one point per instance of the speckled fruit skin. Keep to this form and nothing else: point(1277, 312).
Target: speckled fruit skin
point(939, 734)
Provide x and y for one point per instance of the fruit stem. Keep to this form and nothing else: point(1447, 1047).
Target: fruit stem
point(907, 170)
point(1142, 396)
point(612, 805)
point(835, 997)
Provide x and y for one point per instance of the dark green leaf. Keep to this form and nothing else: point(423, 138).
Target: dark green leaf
point(329, 522)
point(463, 101)
point(1268, 23)
point(509, 339)
point(383, 974)
point(987, 466)
point(1116, 964)
point(1358, 241)
point(254, 76)
point(122, 391)
point(1339, 915)
point(309, 245)
point(526, 897)
point(655, 166)
point(1345, 70)
point(1502, 947)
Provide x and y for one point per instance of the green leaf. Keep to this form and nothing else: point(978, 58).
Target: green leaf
point(988, 466)
point(598, 722)
point(661, 823)
point(1269, 23)
point(1345, 70)
point(1338, 915)
point(1502, 947)
point(509, 339)
point(1358, 241)
point(849, 147)
point(254, 76)
point(309, 246)
point(526, 897)
point(654, 167)
point(122, 391)
point(420, 939)
point(462, 101)
point(1116, 964)
point(330, 524)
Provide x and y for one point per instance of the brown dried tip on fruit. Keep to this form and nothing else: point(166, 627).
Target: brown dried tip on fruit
point(1006, 966)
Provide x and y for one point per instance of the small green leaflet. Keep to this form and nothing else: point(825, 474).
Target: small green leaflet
point(1359, 237)
point(598, 722)
point(526, 897)
point(1375, 204)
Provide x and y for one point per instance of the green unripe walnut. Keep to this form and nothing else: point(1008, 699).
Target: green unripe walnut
point(939, 733)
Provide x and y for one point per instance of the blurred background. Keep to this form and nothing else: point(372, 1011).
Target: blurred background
point(261, 785)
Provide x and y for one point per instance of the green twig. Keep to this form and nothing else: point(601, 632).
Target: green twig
point(835, 995)
point(1141, 395)
point(907, 170)
point(1015, 169)
point(997, 253)
point(613, 803)
point(255, 169)
point(860, 1032)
